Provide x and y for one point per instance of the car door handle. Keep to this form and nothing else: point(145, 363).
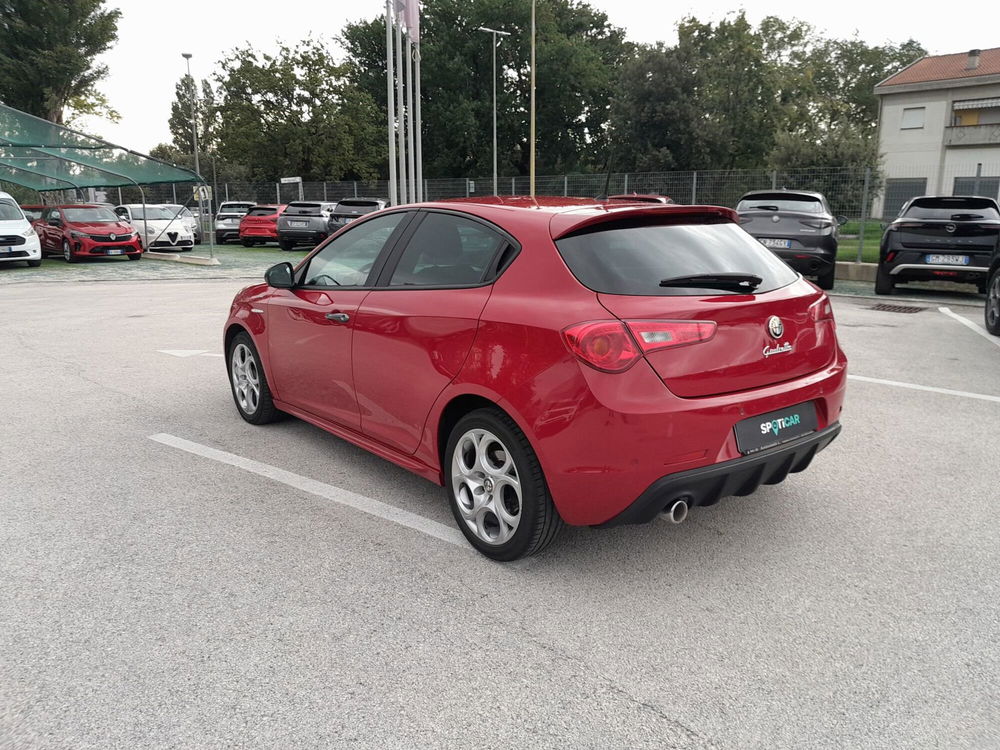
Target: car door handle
point(338, 317)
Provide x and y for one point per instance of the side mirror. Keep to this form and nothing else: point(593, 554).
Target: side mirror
point(280, 276)
point(841, 220)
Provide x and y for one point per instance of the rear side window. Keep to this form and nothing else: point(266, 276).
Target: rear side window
point(953, 209)
point(447, 250)
point(633, 257)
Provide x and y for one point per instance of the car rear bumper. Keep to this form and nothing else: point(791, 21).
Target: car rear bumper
point(302, 236)
point(807, 261)
point(927, 271)
point(741, 476)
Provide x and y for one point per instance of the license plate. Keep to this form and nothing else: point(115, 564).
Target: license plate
point(947, 260)
point(771, 242)
point(115, 251)
point(775, 427)
point(6, 250)
point(298, 223)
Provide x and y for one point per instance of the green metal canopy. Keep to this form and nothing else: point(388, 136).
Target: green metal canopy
point(41, 155)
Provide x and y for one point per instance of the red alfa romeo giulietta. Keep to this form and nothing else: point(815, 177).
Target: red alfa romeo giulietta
point(549, 361)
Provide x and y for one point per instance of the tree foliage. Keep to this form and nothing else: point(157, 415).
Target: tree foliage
point(47, 51)
point(180, 116)
point(294, 113)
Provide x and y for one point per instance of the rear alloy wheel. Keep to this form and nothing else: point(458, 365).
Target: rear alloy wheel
point(884, 282)
point(992, 314)
point(68, 252)
point(246, 376)
point(496, 488)
point(285, 245)
point(825, 281)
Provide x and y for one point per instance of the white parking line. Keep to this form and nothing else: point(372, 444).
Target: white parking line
point(344, 497)
point(995, 340)
point(184, 353)
point(931, 389)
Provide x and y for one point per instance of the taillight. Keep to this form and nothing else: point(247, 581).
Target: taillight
point(612, 346)
point(604, 345)
point(822, 310)
point(663, 334)
point(817, 223)
point(889, 256)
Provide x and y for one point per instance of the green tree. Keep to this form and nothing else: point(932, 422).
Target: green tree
point(577, 56)
point(295, 113)
point(47, 52)
point(180, 115)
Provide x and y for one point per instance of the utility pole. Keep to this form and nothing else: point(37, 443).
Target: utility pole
point(194, 115)
point(531, 158)
point(494, 32)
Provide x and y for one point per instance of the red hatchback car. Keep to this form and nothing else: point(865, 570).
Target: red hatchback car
point(549, 361)
point(80, 230)
point(260, 225)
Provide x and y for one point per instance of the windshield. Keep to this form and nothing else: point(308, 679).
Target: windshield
point(92, 215)
point(804, 203)
point(182, 211)
point(953, 209)
point(153, 213)
point(633, 257)
point(10, 212)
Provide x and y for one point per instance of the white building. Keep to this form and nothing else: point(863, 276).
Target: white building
point(939, 128)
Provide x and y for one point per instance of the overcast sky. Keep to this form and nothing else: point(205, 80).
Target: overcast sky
point(146, 62)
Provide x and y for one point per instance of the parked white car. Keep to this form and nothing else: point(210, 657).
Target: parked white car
point(185, 215)
point(157, 227)
point(18, 240)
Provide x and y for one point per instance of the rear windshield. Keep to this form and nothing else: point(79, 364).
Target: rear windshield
point(306, 209)
point(10, 212)
point(262, 211)
point(352, 205)
point(780, 202)
point(633, 257)
point(953, 209)
point(235, 208)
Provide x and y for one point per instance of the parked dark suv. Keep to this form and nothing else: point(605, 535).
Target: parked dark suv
point(350, 209)
point(304, 223)
point(798, 227)
point(939, 238)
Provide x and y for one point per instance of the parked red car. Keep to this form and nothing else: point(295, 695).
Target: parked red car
point(549, 361)
point(260, 225)
point(81, 230)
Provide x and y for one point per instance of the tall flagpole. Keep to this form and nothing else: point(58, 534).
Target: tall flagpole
point(531, 158)
point(409, 113)
point(419, 132)
point(400, 119)
point(390, 104)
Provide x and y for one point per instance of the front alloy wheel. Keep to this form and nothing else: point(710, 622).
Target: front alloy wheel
point(496, 488)
point(249, 384)
point(993, 304)
point(68, 252)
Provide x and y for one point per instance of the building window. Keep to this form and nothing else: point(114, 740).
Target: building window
point(913, 118)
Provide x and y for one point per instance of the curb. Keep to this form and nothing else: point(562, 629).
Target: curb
point(194, 260)
point(852, 271)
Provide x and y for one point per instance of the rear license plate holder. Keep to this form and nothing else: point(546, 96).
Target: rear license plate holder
point(775, 427)
point(946, 260)
point(774, 242)
point(298, 223)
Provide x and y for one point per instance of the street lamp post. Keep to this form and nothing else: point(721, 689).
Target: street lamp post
point(194, 118)
point(494, 32)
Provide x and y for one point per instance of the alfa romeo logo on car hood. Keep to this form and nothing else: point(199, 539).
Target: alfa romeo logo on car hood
point(775, 327)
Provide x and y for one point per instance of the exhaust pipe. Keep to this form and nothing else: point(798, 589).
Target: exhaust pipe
point(677, 511)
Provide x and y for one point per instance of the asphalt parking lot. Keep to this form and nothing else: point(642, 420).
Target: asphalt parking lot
point(172, 576)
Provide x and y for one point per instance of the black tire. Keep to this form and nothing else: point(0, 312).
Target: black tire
point(982, 286)
point(264, 411)
point(219, 239)
point(35, 263)
point(884, 283)
point(134, 256)
point(538, 520)
point(285, 245)
point(991, 312)
point(68, 255)
point(247, 243)
point(825, 280)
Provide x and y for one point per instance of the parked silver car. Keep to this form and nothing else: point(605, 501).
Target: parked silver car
point(227, 220)
point(350, 209)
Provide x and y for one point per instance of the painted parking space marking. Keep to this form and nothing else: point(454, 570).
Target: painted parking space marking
point(367, 505)
point(184, 353)
point(971, 326)
point(928, 388)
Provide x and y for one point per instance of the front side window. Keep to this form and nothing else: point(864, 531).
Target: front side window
point(447, 250)
point(349, 259)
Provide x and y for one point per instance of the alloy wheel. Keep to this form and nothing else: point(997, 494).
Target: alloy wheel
point(993, 302)
point(67, 251)
point(246, 378)
point(486, 485)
